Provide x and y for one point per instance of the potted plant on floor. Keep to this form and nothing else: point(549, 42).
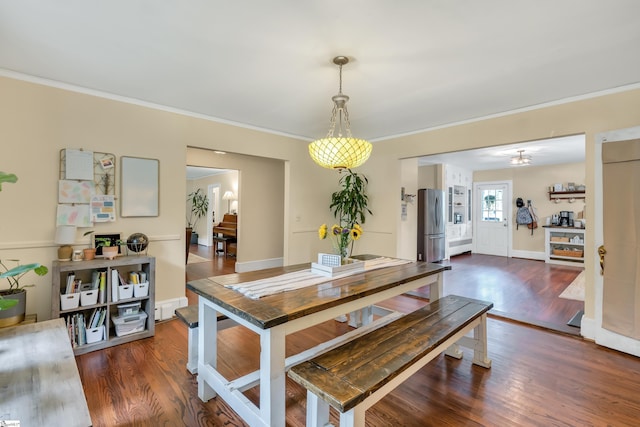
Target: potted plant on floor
point(198, 205)
point(13, 301)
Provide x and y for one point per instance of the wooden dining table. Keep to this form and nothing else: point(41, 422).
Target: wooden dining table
point(273, 317)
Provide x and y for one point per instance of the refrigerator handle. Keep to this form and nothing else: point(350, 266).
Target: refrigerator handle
point(436, 212)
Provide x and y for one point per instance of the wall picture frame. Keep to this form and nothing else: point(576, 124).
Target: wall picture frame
point(139, 187)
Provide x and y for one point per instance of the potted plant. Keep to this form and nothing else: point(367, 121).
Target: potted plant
point(109, 247)
point(349, 207)
point(13, 300)
point(198, 203)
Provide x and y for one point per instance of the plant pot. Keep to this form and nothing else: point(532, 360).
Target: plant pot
point(89, 253)
point(15, 314)
point(110, 252)
point(188, 232)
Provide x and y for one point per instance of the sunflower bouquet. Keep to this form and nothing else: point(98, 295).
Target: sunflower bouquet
point(341, 237)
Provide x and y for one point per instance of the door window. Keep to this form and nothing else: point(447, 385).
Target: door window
point(492, 205)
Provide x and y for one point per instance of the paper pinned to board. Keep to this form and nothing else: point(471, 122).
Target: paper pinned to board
point(79, 164)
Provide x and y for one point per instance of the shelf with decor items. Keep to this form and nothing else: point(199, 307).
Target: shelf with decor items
point(105, 302)
point(557, 195)
point(564, 245)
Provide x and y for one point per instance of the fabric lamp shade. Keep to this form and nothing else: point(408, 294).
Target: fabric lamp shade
point(228, 196)
point(65, 236)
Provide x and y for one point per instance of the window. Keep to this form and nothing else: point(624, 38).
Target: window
point(492, 205)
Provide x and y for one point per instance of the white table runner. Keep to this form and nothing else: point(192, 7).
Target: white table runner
point(301, 279)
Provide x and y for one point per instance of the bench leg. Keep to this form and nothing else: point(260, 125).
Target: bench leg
point(480, 356)
point(353, 417)
point(192, 362)
point(317, 411)
point(361, 317)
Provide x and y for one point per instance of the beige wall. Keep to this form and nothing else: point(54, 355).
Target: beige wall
point(37, 121)
point(428, 176)
point(532, 183)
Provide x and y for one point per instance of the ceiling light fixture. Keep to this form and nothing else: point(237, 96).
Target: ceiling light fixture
point(521, 160)
point(342, 151)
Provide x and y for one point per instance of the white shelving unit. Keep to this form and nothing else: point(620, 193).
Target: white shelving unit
point(559, 241)
point(84, 270)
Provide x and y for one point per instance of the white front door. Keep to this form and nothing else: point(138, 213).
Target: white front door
point(492, 210)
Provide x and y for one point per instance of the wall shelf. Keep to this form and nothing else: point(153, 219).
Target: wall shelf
point(553, 195)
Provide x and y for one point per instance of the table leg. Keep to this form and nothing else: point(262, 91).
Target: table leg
point(207, 346)
point(436, 290)
point(272, 376)
point(480, 356)
point(361, 317)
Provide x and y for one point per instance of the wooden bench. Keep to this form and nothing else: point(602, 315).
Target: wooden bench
point(189, 315)
point(356, 375)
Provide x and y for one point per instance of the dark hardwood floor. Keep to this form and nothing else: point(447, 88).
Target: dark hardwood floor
point(538, 378)
point(520, 289)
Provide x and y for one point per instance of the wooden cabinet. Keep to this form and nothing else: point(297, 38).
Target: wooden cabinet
point(564, 245)
point(118, 301)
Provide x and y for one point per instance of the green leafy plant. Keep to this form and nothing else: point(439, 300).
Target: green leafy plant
point(349, 206)
point(106, 241)
point(13, 275)
point(7, 177)
point(199, 205)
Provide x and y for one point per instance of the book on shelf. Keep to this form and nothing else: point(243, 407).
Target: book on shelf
point(70, 279)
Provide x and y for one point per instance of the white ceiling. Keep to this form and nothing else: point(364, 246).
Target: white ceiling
point(553, 151)
point(415, 64)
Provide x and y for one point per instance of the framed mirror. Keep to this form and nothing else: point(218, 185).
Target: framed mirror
point(139, 187)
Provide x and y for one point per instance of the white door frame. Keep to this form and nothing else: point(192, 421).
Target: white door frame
point(509, 213)
point(592, 328)
point(213, 191)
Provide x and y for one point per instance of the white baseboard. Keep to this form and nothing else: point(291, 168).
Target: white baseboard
point(528, 255)
point(588, 328)
point(167, 309)
point(242, 267)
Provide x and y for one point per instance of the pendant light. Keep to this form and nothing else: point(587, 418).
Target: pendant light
point(521, 160)
point(340, 150)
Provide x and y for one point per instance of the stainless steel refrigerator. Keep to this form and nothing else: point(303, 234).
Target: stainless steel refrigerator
point(431, 225)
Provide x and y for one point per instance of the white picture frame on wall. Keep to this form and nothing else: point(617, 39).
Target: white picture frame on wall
point(139, 187)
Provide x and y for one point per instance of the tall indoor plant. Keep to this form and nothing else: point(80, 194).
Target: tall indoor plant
point(349, 206)
point(13, 300)
point(198, 205)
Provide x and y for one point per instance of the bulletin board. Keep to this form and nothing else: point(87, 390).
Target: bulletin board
point(139, 187)
point(90, 165)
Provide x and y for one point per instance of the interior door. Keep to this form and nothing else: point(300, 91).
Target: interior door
point(616, 291)
point(621, 227)
point(492, 207)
